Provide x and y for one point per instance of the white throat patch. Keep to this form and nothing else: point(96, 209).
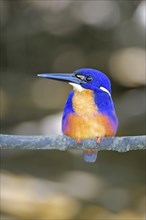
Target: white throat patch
point(77, 87)
point(105, 90)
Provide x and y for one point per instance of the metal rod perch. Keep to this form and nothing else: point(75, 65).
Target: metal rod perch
point(61, 142)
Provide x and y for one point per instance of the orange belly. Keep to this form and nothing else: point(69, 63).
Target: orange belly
point(83, 127)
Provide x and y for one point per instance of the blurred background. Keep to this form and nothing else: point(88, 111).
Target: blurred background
point(62, 36)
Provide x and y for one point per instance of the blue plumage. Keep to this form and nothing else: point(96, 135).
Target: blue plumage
point(89, 110)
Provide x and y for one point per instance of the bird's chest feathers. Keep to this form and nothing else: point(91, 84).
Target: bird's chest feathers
point(83, 103)
point(86, 121)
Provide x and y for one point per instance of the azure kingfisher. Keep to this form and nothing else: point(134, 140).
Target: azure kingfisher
point(89, 110)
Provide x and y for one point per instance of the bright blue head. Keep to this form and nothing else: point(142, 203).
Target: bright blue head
point(84, 78)
point(93, 79)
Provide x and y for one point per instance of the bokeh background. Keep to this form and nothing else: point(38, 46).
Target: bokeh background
point(62, 36)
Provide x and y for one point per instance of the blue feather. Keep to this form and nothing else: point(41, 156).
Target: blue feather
point(90, 157)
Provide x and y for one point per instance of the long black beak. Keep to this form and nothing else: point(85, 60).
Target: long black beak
point(66, 77)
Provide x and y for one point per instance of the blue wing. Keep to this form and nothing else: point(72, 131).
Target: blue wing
point(68, 108)
point(105, 105)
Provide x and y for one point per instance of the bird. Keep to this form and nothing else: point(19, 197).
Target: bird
point(89, 111)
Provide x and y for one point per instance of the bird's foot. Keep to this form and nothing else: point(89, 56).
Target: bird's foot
point(98, 140)
point(78, 140)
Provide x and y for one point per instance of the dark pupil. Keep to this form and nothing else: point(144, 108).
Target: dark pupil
point(89, 78)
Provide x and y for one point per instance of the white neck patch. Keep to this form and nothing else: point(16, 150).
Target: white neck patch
point(77, 87)
point(105, 90)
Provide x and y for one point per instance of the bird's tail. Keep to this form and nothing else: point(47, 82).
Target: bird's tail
point(90, 156)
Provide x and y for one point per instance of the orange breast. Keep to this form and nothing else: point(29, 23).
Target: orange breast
point(83, 103)
point(87, 122)
point(88, 127)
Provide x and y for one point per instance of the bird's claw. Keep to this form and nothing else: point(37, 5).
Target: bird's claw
point(78, 140)
point(98, 140)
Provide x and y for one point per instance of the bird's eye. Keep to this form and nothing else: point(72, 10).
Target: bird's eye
point(89, 78)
